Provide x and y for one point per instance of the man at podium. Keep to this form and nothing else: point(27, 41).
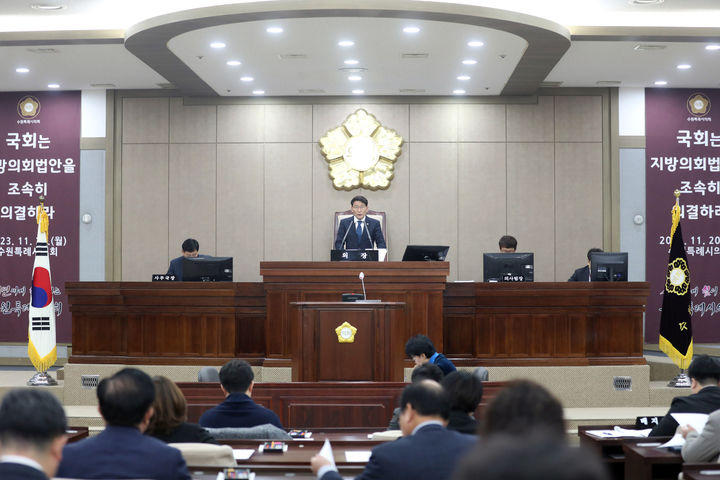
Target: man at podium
point(359, 232)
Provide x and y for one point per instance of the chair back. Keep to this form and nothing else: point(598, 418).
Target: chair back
point(206, 454)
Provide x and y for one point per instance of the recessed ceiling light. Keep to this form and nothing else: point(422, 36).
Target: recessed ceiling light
point(411, 29)
point(218, 45)
point(346, 43)
point(354, 78)
point(22, 70)
point(234, 63)
point(274, 30)
point(53, 85)
point(684, 66)
point(459, 91)
point(645, 2)
point(246, 79)
point(661, 82)
point(358, 91)
point(258, 92)
point(469, 61)
point(351, 62)
point(712, 47)
point(46, 7)
point(475, 43)
point(463, 77)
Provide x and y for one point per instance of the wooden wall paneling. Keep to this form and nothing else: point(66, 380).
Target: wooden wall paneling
point(460, 333)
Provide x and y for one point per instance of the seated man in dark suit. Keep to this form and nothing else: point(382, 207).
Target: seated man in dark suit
point(121, 450)
point(704, 373)
point(190, 248)
point(507, 244)
point(583, 274)
point(32, 435)
point(421, 349)
point(238, 409)
point(426, 450)
point(359, 232)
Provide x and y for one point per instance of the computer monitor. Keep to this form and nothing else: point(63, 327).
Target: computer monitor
point(508, 267)
point(207, 269)
point(425, 253)
point(609, 266)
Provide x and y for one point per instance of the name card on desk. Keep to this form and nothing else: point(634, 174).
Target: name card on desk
point(161, 277)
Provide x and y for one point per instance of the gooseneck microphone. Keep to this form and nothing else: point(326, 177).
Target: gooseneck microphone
point(372, 245)
point(342, 243)
point(362, 279)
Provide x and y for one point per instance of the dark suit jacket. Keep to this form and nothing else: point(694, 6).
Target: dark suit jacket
point(351, 239)
point(580, 275)
point(706, 400)
point(186, 433)
point(462, 422)
point(238, 410)
point(176, 269)
point(431, 453)
point(17, 471)
point(122, 452)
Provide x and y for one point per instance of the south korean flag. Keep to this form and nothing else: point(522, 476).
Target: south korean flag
point(42, 348)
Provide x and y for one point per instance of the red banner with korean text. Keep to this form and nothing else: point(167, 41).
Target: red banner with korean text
point(682, 131)
point(39, 156)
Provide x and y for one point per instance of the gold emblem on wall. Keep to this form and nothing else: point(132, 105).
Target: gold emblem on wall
point(361, 152)
point(346, 333)
point(698, 105)
point(28, 107)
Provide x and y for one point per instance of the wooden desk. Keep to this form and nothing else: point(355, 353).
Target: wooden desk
point(648, 463)
point(75, 434)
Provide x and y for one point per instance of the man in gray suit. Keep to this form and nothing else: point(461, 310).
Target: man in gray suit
point(704, 446)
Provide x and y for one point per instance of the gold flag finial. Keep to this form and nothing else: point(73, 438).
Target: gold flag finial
point(42, 218)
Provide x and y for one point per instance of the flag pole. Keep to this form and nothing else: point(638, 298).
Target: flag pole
point(681, 380)
point(42, 346)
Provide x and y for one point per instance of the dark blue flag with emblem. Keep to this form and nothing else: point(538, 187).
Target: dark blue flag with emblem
point(676, 318)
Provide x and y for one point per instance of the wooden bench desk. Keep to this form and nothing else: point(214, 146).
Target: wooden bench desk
point(648, 463)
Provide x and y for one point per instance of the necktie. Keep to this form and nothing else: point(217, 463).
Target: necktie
point(358, 230)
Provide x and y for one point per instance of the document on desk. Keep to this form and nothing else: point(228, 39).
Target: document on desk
point(619, 432)
point(327, 453)
point(243, 453)
point(695, 420)
point(357, 456)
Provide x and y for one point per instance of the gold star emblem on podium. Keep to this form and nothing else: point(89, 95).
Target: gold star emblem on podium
point(346, 333)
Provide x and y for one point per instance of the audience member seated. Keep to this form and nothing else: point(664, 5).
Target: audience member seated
point(426, 450)
point(704, 446)
point(523, 406)
point(704, 373)
point(423, 372)
point(121, 450)
point(238, 409)
point(465, 392)
point(32, 435)
point(539, 455)
point(168, 422)
point(421, 349)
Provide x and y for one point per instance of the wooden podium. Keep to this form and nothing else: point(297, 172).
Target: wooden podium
point(375, 352)
point(417, 285)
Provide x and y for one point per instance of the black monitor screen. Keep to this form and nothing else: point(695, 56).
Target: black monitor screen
point(508, 267)
point(207, 269)
point(423, 253)
point(609, 266)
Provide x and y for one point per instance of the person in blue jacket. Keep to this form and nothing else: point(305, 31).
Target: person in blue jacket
point(421, 349)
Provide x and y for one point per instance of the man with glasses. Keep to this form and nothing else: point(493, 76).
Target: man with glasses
point(359, 232)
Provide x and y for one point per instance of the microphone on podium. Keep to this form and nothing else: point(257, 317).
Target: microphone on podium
point(362, 279)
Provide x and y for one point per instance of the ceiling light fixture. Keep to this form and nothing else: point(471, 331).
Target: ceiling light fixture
point(358, 92)
point(46, 7)
point(459, 91)
point(712, 47)
point(346, 43)
point(217, 45)
point(53, 85)
point(233, 63)
point(274, 30)
point(351, 62)
point(22, 70)
point(411, 29)
point(246, 79)
point(684, 66)
point(475, 43)
point(463, 77)
point(660, 82)
point(354, 78)
point(469, 61)
point(645, 2)
point(258, 92)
